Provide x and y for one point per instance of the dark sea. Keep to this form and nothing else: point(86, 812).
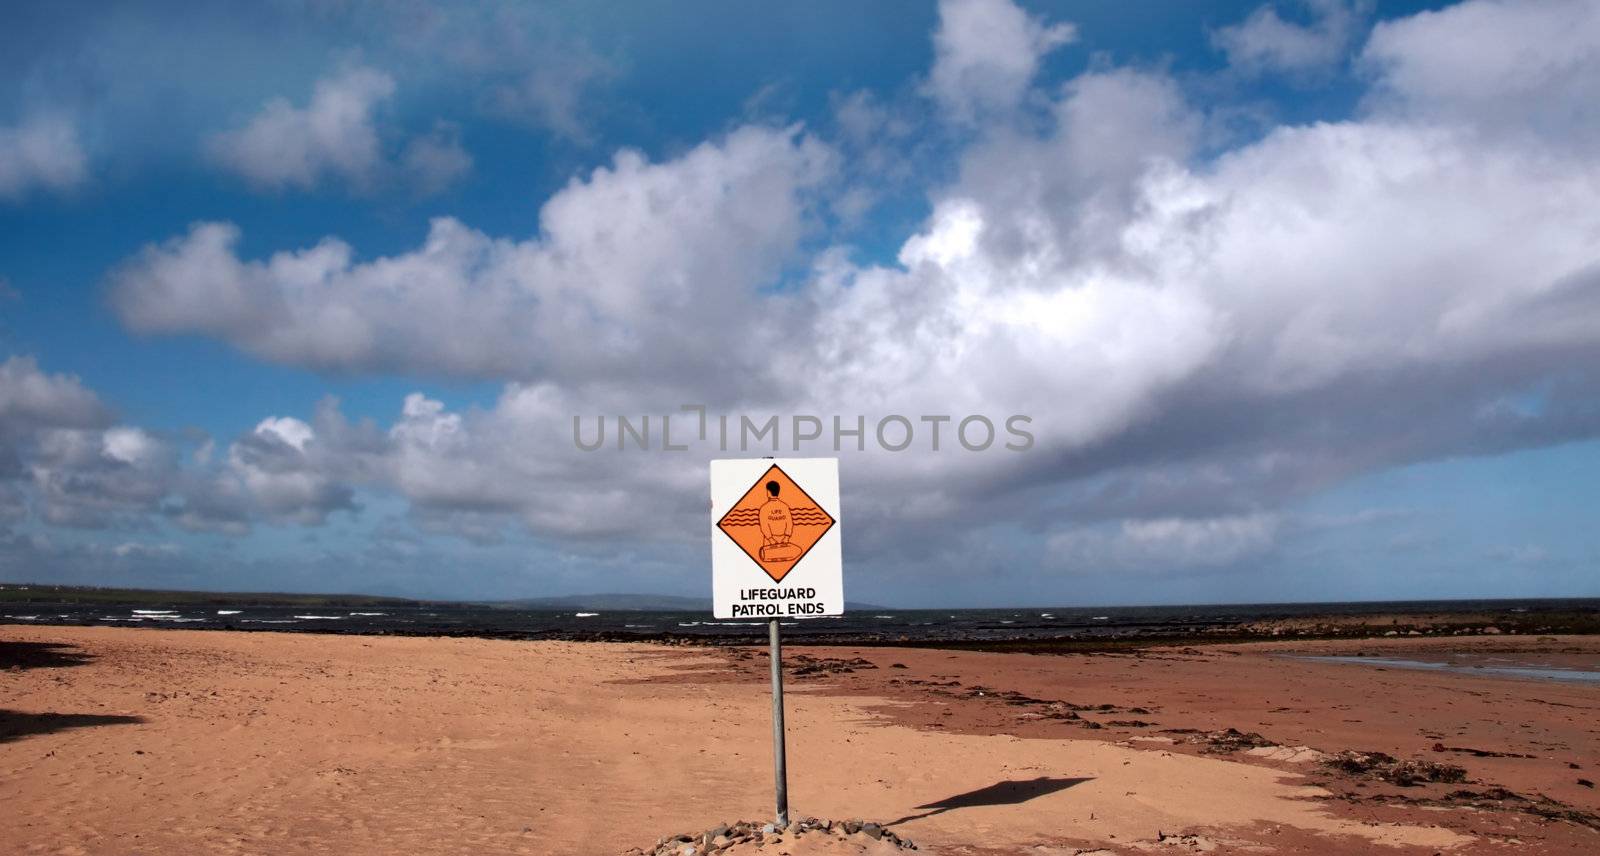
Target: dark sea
point(857, 627)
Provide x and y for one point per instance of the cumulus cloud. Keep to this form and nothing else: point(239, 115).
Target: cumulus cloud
point(1265, 42)
point(60, 446)
point(64, 456)
point(99, 478)
point(30, 398)
point(627, 259)
point(1493, 65)
point(986, 55)
point(283, 471)
point(42, 152)
point(1073, 190)
point(289, 146)
point(276, 465)
point(1245, 314)
point(1197, 337)
point(334, 136)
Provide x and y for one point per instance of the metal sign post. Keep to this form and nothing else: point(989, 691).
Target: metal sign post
point(775, 554)
point(780, 775)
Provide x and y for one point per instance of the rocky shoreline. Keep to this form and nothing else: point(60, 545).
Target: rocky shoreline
point(1077, 640)
point(1071, 639)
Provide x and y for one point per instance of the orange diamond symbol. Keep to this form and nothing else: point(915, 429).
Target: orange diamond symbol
point(776, 523)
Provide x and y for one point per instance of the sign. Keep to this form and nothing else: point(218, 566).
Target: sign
point(775, 538)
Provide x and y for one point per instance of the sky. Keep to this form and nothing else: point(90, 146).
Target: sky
point(1168, 303)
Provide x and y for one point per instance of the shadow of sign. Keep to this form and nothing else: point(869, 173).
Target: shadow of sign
point(40, 655)
point(1009, 792)
point(15, 725)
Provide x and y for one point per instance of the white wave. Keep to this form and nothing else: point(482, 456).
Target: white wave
point(369, 613)
point(320, 617)
point(266, 620)
point(1101, 618)
point(1046, 615)
point(584, 614)
point(229, 611)
point(882, 616)
point(155, 612)
point(689, 624)
point(24, 617)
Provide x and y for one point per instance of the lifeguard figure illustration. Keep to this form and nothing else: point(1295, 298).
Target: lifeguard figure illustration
point(777, 523)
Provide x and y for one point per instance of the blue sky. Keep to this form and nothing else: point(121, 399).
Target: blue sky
point(1299, 297)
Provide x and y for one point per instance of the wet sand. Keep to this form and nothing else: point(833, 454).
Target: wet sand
point(120, 740)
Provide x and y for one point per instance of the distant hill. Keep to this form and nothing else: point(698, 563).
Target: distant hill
point(631, 603)
point(616, 602)
point(36, 593)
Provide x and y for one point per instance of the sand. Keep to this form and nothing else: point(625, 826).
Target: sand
point(121, 740)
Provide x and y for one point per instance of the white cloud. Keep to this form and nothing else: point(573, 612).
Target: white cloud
point(1164, 544)
point(518, 460)
point(289, 146)
point(43, 151)
point(1239, 323)
point(284, 471)
point(336, 135)
point(627, 259)
point(94, 478)
point(58, 445)
point(1072, 191)
point(131, 446)
point(287, 430)
point(1265, 42)
point(963, 330)
point(29, 398)
point(281, 469)
point(1196, 338)
point(1499, 66)
point(986, 55)
point(61, 452)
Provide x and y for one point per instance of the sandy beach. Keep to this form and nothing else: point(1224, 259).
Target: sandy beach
point(118, 740)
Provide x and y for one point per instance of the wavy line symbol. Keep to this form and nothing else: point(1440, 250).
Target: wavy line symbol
point(808, 516)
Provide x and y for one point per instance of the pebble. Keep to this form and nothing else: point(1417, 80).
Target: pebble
point(722, 837)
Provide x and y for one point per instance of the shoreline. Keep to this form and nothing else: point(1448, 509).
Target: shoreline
point(1069, 640)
